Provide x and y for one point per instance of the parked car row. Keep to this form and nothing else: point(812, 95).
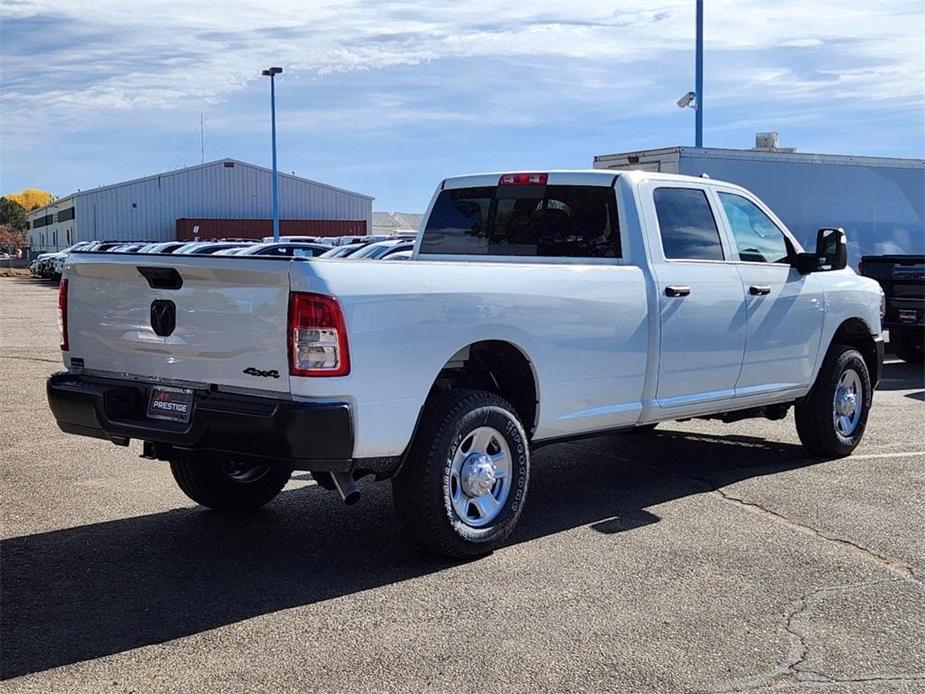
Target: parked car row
point(373, 247)
point(51, 265)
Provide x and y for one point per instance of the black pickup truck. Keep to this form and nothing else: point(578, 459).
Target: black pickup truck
point(902, 278)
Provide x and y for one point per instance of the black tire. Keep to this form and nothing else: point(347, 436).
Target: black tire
point(815, 415)
point(217, 483)
point(423, 489)
point(906, 346)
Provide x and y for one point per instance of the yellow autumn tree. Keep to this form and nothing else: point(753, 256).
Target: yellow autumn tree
point(32, 198)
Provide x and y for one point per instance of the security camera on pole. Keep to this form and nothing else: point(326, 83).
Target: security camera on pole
point(271, 73)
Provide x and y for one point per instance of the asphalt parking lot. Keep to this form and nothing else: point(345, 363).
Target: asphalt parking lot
point(699, 557)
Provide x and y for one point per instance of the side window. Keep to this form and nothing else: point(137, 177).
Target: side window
point(686, 224)
point(758, 239)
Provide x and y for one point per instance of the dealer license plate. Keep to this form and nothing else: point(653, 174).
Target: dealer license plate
point(172, 404)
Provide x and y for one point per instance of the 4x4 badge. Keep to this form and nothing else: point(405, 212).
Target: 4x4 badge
point(251, 371)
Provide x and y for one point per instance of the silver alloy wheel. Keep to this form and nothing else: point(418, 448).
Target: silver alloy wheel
point(480, 477)
point(244, 472)
point(848, 403)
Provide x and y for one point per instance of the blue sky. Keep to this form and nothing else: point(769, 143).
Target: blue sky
point(386, 98)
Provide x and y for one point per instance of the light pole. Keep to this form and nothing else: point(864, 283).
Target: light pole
point(698, 86)
point(694, 99)
point(271, 73)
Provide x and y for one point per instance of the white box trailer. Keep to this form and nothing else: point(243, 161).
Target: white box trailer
point(879, 201)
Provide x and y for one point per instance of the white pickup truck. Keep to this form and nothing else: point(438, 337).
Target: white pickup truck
point(536, 307)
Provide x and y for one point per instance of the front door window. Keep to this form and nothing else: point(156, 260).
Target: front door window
point(757, 238)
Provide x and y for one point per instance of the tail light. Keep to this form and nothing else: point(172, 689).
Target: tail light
point(317, 336)
point(523, 179)
point(62, 314)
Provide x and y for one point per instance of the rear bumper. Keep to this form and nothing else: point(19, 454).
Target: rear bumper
point(301, 435)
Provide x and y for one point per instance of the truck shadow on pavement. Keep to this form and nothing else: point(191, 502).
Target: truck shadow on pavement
point(85, 592)
point(901, 375)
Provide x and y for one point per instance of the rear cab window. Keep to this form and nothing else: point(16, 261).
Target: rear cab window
point(572, 221)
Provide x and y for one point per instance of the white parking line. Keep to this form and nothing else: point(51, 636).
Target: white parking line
point(866, 456)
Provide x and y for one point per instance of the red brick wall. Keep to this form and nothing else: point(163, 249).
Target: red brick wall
point(258, 228)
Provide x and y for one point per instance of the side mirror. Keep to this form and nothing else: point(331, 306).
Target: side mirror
point(831, 252)
point(832, 248)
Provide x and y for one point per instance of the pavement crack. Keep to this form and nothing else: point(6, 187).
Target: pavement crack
point(793, 670)
point(903, 570)
point(49, 361)
point(894, 566)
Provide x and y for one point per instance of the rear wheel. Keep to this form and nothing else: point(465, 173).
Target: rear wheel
point(831, 420)
point(463, 487)
point(907, 345)
point(224, 484)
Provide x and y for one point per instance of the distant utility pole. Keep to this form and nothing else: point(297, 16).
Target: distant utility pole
point(272, 73)
point(202, 141)
point(698, 86)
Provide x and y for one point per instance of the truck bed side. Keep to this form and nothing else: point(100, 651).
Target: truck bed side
point(582, 327)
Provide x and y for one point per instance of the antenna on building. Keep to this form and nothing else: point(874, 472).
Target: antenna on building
point(202, 141)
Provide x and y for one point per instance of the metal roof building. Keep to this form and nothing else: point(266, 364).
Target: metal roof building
point(393, 222)
point(148, 208)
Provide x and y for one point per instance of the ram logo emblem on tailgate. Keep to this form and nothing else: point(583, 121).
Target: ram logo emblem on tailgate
point(251, 371)
point(163, 317)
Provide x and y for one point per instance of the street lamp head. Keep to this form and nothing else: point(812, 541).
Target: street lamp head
point(272, 71)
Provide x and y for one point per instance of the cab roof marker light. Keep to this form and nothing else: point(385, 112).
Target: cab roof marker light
point(523, 179)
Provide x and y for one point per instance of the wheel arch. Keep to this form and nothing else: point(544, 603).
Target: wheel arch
point(856, 332)
point(498, 366)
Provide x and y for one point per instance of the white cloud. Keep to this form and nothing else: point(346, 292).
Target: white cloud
point(142, 55)
point(68, 67)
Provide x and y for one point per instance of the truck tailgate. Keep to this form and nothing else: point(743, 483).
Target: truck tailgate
point(229, 318)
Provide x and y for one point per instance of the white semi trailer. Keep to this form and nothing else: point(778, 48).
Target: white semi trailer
point(878, 201)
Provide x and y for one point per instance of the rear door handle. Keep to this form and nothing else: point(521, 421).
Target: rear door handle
point(756, 290)
point(675, 290)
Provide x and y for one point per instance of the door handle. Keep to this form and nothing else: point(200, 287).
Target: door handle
point(756, 290)
point(676, 290)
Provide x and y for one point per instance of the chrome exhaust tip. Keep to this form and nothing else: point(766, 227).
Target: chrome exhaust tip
point(347, 487)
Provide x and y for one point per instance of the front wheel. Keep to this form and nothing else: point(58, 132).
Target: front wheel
point(228, 485)
point(463, 487)
point(831, 420)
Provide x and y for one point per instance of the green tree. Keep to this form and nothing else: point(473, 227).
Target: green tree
point(13, 214)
